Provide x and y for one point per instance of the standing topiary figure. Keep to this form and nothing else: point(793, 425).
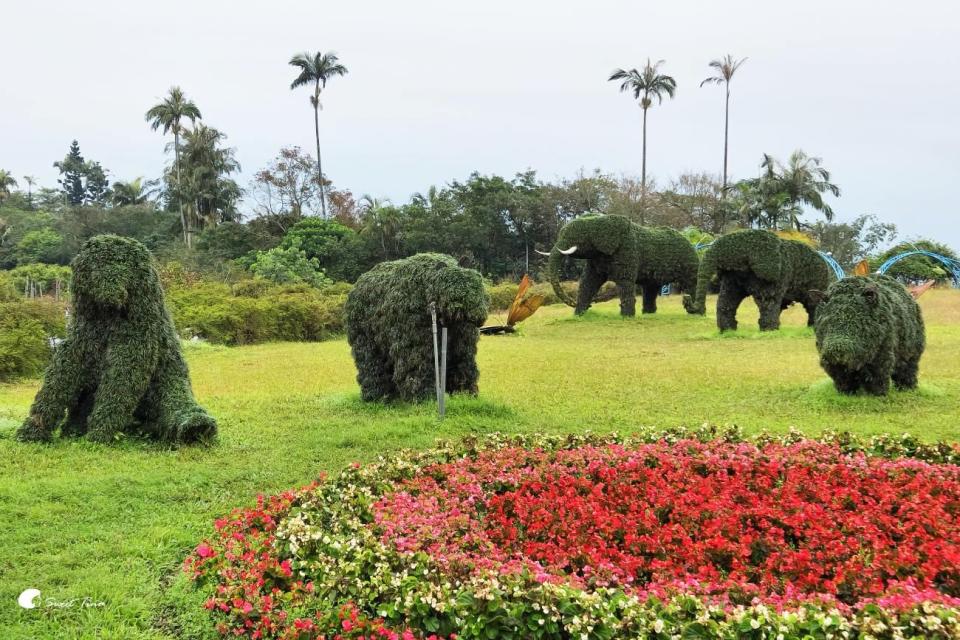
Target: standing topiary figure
point(388, 326)
point(775, 272)
point(869, 330)
point(120, 366)
point(628, 254)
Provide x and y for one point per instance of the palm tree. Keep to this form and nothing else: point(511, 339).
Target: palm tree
point(7, 181)
point(135, 192)
point(316, 69)
point(803, 181)
point(781, 191)
point(725, 67)
point(645, 85)
point(31, 183)
point(167, 115)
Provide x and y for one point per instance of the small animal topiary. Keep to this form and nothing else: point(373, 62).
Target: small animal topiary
point(389, 326)
point(120, 367)
point(869, 331)
point(775, 272)
point(618, 250)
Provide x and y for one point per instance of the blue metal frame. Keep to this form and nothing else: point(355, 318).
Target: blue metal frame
point(833, 264)
point(949, 263)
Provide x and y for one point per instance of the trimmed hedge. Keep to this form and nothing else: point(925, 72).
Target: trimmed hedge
point(255, 311)
point(25, 327)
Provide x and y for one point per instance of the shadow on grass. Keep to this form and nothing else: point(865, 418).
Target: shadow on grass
point(823, 394)
point(754, 333)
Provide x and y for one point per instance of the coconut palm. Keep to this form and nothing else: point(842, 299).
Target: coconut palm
point(317, 69)
point(725, 67)
point(7, 181)
point(168, 115)
point(31, 183)
point(645, 86)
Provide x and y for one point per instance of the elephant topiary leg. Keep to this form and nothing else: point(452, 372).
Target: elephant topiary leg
point(60, 388)
point(651, 290)
point(374, 368)
point(462, 373)
point(769, 302)
point(413, 372)
point(731, 295)
point(590, 283)
point(628, 297)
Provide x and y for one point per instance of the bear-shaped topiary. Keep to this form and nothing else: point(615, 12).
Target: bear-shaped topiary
point(389, 326)
point(869, 331)
point(120, 368)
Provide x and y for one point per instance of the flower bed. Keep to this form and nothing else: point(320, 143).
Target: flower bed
point(680, 534)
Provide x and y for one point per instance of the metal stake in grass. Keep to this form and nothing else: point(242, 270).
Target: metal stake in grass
point(439, 370)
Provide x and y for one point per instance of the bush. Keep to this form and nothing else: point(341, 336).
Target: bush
point(255, 311)
point(25, 327)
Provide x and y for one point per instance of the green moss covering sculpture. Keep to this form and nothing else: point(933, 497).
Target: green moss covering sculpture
point(775, 272)
point(389, 326)
point(120, 367)
point(869, 331)
point(616, 249)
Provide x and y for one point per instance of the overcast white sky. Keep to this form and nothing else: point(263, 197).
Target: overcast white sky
point(438, 89)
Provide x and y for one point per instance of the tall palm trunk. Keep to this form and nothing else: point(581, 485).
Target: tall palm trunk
point(183, 219)
point(726, 140)
point(643, 173)
point(316, 130)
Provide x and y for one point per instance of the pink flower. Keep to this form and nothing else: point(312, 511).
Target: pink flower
point(205, 551)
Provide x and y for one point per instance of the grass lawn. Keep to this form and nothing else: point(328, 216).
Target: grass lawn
point(112, 524)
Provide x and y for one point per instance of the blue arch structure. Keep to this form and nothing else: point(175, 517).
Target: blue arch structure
point(833, 264)
point(949, 263)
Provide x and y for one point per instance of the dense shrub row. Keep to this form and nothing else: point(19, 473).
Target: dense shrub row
point(25, 327)
point(502, 295)
point(256, 311)
point(401, 544)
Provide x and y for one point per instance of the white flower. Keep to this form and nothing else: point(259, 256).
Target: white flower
point(658, 626)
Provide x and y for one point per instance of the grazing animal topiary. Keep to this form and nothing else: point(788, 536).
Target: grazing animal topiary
point(389, 326)
point(628, 254)
point(869, 331)
point(775, 272)
point(120, 367)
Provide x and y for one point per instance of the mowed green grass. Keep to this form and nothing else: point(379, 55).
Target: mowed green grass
point(112, 524)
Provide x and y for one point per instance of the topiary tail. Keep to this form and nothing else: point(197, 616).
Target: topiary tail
point(708, 268)
point(553, 272)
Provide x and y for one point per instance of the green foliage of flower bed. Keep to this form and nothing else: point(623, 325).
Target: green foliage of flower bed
point(290, 562)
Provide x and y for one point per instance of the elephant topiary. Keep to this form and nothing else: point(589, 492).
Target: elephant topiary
point(120, 367)
point(628, 254)
point(389, 326)
point(869, 331)
point(774, 271)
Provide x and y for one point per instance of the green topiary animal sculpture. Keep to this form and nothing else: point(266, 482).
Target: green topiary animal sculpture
point(630, 255)
point(389, 326)
point(869, 331)
point(775, 272)
point(120, 367)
